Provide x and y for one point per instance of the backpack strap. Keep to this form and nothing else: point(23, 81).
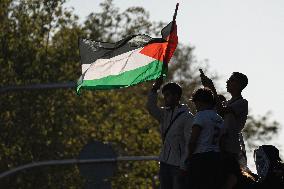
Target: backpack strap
point(171, 123)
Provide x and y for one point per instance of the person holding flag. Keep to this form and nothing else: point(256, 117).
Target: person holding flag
point(175, 121)
point(133, 60)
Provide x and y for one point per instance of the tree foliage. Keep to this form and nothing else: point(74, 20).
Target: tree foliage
point(38, 44)
point(259, 130)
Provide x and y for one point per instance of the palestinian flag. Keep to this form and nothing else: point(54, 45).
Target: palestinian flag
point(130, 61)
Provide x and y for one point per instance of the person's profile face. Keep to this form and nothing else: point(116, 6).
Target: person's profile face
point(232, 84)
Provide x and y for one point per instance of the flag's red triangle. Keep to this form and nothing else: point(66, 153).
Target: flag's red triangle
point(155, 50)
point(163, 51)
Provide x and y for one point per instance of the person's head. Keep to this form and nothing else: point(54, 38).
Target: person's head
point(272, 153)
point(172, 93)
point(203, 98)
point(266, 157)
point(237, 82)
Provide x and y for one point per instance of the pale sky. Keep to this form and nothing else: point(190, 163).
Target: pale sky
point(234, 35)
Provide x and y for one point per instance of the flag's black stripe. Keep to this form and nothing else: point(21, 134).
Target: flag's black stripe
point(166, 31)
point(90, 50)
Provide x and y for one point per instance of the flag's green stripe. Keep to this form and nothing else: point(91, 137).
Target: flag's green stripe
point(145, 73)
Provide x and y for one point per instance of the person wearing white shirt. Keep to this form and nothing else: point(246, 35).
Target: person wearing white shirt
point(204, 151)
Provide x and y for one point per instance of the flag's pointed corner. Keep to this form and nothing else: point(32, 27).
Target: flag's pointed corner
point(79, 85)
point(78, 92)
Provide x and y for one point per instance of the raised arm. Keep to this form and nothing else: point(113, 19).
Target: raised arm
point(207, 82)
point(151, 105)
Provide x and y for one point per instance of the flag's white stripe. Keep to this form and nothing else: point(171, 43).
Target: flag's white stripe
point(114, 59)
point(117, 65)
point(85, 67)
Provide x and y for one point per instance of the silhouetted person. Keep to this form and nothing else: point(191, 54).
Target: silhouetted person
point(235, 113)
point(175, 126)
point(270, 168)
point(204, 151)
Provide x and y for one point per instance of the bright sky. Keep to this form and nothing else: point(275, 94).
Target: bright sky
point(234, 35)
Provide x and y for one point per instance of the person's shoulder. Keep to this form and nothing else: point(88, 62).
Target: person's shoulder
point(243, 103)
point(184, 108)
point(189, 114)
point(239, 103)
point(244, 100)
point(208, 113)
point(241, 99)
point(215, 116)
point(201, 115)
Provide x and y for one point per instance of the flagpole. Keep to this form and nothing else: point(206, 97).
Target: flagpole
point(167, 50)
point(175, 15)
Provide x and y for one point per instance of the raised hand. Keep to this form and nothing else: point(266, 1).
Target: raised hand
point(157, 85)
point(206, 81)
